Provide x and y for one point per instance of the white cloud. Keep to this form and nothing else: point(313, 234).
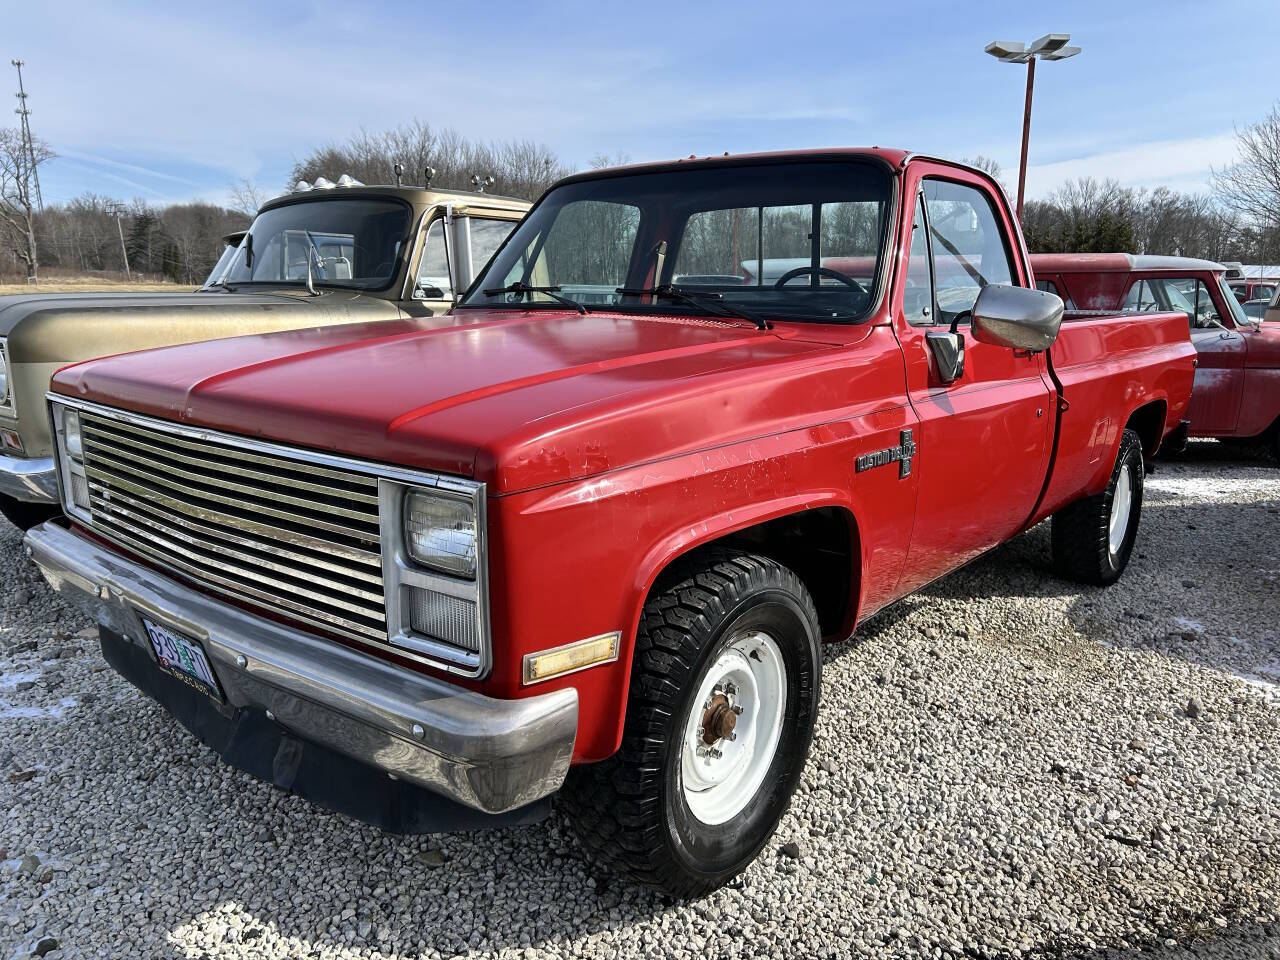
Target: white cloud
point(1182, 164)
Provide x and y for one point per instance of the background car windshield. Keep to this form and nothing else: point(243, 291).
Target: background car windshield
point(793, 241)
point(351, 243)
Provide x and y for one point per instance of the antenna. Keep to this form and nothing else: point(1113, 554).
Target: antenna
point(22, 111)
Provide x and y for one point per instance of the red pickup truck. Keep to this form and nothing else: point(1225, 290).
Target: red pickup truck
point(1237, 386)
point(588, 532)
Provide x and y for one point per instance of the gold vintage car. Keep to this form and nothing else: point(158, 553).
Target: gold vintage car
point(321, 255)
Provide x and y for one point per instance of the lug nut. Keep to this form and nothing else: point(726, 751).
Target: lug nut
point(242, 661)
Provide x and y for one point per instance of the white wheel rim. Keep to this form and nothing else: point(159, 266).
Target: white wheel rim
point(719, 779)
point(1121, 506)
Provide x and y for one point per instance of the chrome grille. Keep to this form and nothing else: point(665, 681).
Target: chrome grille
point(289, 537)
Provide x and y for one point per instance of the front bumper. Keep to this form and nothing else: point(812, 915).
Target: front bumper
point(491, 755)
point(33, 481)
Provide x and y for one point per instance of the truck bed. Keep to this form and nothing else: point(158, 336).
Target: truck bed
point(1101, 362)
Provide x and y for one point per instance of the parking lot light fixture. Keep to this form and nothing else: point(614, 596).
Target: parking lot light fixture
point(1052, 46)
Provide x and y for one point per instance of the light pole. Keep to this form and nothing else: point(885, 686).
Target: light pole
point(1052, 46)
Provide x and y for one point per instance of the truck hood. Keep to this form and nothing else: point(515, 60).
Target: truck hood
point(64, 327)
point(514, 399)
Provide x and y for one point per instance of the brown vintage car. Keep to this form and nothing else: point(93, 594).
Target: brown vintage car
point(314, 257)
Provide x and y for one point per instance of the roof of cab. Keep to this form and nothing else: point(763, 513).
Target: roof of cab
point(418, 196)
point(890, 157)
point(1117, 263)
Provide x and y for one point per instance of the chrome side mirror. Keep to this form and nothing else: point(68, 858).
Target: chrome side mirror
point(1017, 317)
point(948, 354)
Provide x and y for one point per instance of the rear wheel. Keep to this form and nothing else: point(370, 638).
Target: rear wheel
point(720, 715)
point(1093, 538)
point(25, 515)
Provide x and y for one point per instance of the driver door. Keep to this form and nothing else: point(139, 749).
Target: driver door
point(984, 438)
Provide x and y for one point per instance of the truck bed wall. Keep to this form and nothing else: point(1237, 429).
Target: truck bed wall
point(1109, 367)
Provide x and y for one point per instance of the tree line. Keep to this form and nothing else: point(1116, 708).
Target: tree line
point(1238, 218)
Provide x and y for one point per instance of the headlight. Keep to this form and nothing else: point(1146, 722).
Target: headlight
point(71, 435)
point(440, 532)
point(4, 375)
point(75, 483)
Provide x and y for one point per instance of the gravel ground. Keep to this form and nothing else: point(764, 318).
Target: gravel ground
point(1005, 765)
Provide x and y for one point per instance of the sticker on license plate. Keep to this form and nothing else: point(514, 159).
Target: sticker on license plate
point(183, 658)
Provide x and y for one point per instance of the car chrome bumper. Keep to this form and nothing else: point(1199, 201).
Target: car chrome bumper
point(34, 480)
point(492, 755)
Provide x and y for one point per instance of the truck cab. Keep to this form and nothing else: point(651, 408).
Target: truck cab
point(1237, 385)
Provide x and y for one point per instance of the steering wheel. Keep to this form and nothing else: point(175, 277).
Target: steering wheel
point(847, 280)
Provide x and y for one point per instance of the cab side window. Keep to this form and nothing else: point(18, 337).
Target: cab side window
point(917, 295)
point(969, 249)
point(486, 236)
point(433, 282)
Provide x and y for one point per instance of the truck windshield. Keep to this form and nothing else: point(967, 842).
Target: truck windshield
point(786, 241)
point(350, 242)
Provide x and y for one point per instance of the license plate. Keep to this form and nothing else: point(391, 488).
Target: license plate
point(182, 657)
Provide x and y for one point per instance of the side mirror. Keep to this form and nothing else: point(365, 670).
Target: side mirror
point(1016, 317)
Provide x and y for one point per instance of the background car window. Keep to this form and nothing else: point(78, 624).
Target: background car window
point(917, 295)
point(1048, 286)
point(1142, 298)
point(1174, 294)
point(433, 282)
point(486, 238)
point(969, 251)
point(1197, 303)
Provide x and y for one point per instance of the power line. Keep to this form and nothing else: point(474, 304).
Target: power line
point(24, 112)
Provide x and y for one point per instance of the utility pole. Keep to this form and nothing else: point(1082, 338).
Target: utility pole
point(23, 112)
point(117, 211)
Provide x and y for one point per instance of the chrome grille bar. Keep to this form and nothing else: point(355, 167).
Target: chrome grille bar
point(297, 540)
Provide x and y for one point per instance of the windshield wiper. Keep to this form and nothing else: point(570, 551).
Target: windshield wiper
point(525, 289)
point(702, 299)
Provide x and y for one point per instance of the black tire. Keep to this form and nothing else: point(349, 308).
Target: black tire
point(630, 811)
point(25, 515)
point(1081, 532)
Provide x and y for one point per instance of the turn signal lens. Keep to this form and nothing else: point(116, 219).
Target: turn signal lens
point(571, 657)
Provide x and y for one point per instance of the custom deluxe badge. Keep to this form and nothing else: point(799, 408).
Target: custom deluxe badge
point(901, 455)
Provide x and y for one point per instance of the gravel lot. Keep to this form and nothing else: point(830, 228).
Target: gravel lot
point(1006, 764)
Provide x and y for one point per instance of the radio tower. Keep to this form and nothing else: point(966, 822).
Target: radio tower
point(25, 113)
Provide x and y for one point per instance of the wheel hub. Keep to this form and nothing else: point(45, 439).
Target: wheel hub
point(733, 726)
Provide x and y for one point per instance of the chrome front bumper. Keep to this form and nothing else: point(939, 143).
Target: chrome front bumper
point(492, 755)
point(34, 481)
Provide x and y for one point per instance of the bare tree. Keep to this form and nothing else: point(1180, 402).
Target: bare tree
point(247, 197)
point(1251, 186)
point(17, 194)
point(520, 168)
point(989, 166)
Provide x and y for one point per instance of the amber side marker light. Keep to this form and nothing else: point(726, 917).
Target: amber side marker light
point(572, 657)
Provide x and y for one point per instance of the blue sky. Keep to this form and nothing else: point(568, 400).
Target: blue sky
point(167, 101)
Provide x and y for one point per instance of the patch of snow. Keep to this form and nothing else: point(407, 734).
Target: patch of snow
point(1182, 623)
point(9, 681)
point(52, 711)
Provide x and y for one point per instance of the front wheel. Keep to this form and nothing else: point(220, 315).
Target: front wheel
point(720, 715)
point(1093, 538)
